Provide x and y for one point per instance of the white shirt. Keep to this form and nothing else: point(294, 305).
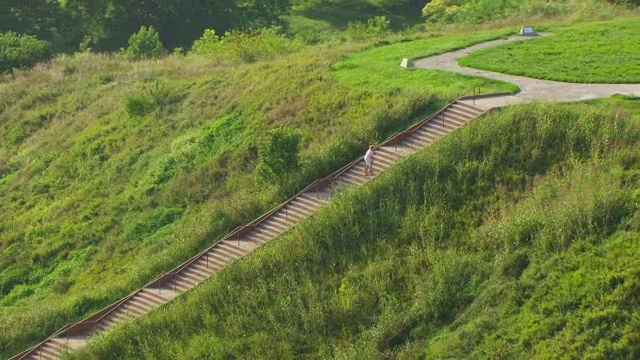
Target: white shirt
point(368, 157)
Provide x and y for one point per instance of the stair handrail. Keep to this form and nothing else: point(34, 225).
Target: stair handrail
point(253, 224)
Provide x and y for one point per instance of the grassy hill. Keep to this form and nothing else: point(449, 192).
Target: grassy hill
point(112, 172)
point(514, 237)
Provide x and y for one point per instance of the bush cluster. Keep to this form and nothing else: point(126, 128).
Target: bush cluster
point(249, 46)
point(145, 44)
point(21, 51)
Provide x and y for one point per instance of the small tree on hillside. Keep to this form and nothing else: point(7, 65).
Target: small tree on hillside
point(278, 156)
point(145, 44)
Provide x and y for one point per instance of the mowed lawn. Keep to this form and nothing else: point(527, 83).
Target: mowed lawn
point(378, 68)
point(605, 52)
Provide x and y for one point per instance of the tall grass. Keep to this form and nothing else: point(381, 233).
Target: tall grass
point(484, 245)
point(114, 171)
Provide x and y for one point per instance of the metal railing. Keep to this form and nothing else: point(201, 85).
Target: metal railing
point(236, 234)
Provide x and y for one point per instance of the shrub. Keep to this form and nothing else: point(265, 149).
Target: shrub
point(247, 47)
point(145, 44)
point(137, 105)
point(278, 156)
point(21, 51)
point(376, 26)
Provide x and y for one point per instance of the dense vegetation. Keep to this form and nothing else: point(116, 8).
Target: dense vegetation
point(515, 237)
point(21, 51)
point(610, 55)
point(106, 25)
point(112, 171)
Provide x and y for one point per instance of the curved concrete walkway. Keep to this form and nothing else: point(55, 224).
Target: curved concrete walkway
point(530, 89)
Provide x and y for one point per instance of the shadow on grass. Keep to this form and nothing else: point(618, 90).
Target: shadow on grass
point(341, 14)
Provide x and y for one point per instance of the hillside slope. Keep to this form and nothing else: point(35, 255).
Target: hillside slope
point(516, 236)
point(114, 171)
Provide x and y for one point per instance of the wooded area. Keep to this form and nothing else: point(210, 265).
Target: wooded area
point(105, 25)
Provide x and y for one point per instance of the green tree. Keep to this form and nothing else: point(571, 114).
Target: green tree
point(145, 44)
point(8, 20)
point(21, 51)
point(278, 156)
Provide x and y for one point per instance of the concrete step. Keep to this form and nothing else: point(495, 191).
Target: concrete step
point(426, 135)
point(289, 216)
point(469, 109)
point(180, 285)
point(191, 272)
point(268, 231)
point(454, 119)
point(139, 307)
point(276, 223)
point(151, 297)
point(313, 198)
point(352, 177)
point(418, 141)
point(231, 249)
point(70, 343)
point(48, 350)
point(259, 237)
point(205, 265)
point(435, 128)
point(303, 206)
point(185, 279)
point(445, 128)
point(381, 158)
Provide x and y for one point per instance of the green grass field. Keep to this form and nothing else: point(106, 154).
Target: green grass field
point(514, 237)
point(606, 52)
point(379, 66)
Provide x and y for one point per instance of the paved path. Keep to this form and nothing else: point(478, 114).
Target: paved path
point(530, 89)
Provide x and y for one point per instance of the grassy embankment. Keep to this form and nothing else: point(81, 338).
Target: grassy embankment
point(514, 237)
point(571, 54)
point(94, 202)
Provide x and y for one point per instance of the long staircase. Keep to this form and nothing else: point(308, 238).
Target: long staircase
point(245, 239)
